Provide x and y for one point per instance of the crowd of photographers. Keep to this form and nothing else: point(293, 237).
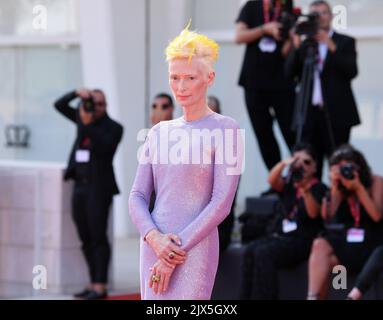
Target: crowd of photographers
point(299, 72)
point(336, 225)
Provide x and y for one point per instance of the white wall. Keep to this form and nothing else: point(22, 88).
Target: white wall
point(113, 51)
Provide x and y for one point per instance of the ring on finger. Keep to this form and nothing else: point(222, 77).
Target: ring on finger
point(155, 278)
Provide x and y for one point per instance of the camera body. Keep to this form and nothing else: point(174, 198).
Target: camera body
point(348, 171)
point(292, 17)
point(88, 105)
point(296, 174)
point(309, 27)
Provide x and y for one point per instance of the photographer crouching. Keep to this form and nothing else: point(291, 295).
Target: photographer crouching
point(301, 195)
point(352, 211)
point(91, 167)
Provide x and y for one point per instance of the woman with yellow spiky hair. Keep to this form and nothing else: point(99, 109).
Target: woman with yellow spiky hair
point(194, 181)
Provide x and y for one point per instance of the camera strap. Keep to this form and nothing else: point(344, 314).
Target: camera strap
point(354, 205)
point(266, 10)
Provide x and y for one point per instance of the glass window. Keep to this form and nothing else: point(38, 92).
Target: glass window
point(32, 78)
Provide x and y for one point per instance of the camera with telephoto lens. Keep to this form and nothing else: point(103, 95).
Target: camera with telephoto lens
point(88, 105)
point(309, 27)
point(348, 171)
point(291, 17)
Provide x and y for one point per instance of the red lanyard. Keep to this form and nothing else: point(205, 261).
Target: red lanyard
point(266, 10)
point(299, 195)
point(85, 142)
point(355, 210)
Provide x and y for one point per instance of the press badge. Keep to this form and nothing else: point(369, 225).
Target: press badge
point(82, 156)
point(288, 226)
point(267, 45)
point(355, 235)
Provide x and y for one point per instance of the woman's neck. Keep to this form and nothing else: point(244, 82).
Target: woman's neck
point(196, 112)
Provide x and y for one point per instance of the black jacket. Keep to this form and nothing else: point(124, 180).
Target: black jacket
point(339, 69)
point(260, 70)
point(105, 135)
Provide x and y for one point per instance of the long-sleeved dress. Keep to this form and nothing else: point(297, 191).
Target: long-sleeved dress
point(195, 182)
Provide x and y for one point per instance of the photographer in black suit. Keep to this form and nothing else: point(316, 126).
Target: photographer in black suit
point(332, 110)
point(90, 166)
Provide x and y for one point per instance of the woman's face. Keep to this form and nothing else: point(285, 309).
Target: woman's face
point(307, 162)
point(189, 81)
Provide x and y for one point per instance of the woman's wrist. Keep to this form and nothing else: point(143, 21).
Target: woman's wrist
point(306, 191)
point(151, 235)
point(360, 189)
point(262, 29)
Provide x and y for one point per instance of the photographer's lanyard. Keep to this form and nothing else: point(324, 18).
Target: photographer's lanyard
point(355, 210)
point(298, 196)
point(85, 143)
point(266, 10)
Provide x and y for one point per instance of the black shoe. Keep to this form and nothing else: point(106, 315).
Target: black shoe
point(94, 295)
point(82, 294)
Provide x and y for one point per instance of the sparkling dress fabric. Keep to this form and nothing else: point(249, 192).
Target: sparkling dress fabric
point(192, 198)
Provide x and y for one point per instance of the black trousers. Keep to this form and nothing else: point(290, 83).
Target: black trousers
point(90, 212)
point(318, 133)
point(263, 106)
point(371, 270)
point(263, 258)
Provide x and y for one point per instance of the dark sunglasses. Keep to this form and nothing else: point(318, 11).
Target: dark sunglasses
point(163, 106)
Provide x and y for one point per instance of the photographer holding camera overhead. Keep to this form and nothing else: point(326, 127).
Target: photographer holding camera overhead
point(351, 213)
point(301, 194)
point(91, 167)
point(268, 94)
point(330, 110)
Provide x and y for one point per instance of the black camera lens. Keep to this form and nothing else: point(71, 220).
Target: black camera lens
point(297, 174)
point(89, 105)
point(347, 171)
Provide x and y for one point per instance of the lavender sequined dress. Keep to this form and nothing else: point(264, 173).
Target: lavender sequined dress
point(192, 197)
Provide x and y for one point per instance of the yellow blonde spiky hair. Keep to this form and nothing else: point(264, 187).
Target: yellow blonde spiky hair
point(189, 44)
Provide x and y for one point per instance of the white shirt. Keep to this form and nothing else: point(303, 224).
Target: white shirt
point(317, 98)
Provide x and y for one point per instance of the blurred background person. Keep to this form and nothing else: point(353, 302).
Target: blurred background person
point(91, 167)
point(301, 194)
point(214, 103)
point(369, 274)
point(268, 94)
point(332, 110)
point(352, 213)
point(162, 108)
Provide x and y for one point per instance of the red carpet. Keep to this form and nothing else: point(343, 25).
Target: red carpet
point(134, 296)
